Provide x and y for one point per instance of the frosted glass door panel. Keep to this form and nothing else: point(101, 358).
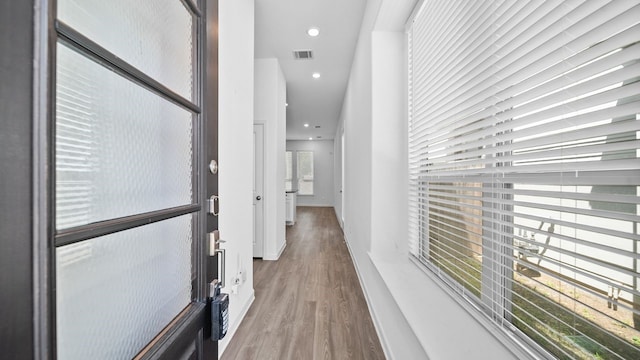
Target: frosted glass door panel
point(120, 149)
point(155, 36)
point(117, 292)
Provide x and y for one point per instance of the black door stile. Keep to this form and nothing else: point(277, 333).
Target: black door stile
point(210, 98)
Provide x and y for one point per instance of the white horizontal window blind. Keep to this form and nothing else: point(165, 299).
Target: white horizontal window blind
point(524, 166)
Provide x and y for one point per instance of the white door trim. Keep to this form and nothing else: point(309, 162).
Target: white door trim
point(258, 191)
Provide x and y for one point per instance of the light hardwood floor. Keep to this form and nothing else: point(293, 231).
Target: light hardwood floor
point(309, 303)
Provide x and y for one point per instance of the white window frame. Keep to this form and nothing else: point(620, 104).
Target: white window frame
point(302, 189)
point(288, 175)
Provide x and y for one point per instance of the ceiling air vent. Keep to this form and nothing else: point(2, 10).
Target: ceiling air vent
point(303, 54)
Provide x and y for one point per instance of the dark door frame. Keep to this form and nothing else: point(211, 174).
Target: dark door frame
point(17, 220)
point(27, 84)
point(209, 269)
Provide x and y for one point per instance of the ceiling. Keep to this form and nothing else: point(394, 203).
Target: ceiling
point(281, 28)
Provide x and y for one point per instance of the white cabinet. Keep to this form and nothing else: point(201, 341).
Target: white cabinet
point(290, 207)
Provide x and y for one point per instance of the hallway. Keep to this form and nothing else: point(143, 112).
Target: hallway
point(309, 304)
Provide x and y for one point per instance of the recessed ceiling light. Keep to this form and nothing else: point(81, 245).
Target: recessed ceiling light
point(316, 75)
point(310, 138)
point(313, 32)
point(286, 104)
point(306, 125)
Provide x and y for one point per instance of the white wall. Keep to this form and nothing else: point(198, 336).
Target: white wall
point(322, 171)
point(398, 340)
point(389, 174)
point(270, 98)
point(415, 317)
point(236, 152)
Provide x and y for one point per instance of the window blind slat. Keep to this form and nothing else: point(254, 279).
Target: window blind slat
point(626, 178)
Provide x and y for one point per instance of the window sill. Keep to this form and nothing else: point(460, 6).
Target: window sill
point(406, 285)
point(438, 323)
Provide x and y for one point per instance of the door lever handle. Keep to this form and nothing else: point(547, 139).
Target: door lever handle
point(214, 249)
point(258, 197)
point(214, 242)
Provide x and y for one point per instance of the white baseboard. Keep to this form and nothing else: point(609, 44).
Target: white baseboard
point(232, 331)
point(340, 222)
point(274, 257)
point(374, 317)
point(284, 245)
point(313, 205)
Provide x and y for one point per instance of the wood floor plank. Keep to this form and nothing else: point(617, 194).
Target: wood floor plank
point(309, 303)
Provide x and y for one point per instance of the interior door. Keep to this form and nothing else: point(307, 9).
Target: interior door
point(258, 190)
point(134, 88)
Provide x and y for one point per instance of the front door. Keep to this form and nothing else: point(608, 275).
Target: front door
point(121, 178)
